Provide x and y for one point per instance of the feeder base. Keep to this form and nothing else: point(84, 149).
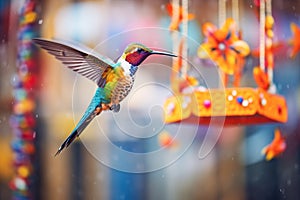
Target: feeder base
point(231, 106)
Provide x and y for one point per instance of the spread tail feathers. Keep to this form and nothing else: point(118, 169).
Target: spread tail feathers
point(67, 142)
point(95, 108)
point(84, 121)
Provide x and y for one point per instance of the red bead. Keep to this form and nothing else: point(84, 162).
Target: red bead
point(207, 103)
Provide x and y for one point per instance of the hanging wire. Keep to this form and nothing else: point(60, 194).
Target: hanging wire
point(175, 37)
point(262, 21)
point(235, 12)
point(269, 13)
point(269, 7)
point(240, 61)
point(222, 12)
point(222, 19)
point(185, 35)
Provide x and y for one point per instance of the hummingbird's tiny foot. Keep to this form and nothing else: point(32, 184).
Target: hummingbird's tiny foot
point(115, 107)
point(105, 107)
point(98, 110)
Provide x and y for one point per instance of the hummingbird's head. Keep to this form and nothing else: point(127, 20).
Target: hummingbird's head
point(136, 53)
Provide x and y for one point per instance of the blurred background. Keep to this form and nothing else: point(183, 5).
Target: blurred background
point(91, 168)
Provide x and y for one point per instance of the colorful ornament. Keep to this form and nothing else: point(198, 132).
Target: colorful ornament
point(276, 147)
point(261, 78)
point(23, 120)
point(245, 103)
point(295, 41)
point(184, 83)
point(223, 46)
point(239, 99)
point(177, 20)
point(207, 103)
point(263, 74)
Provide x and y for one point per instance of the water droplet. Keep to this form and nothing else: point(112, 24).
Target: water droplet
point(282, 190)
point(296, 166)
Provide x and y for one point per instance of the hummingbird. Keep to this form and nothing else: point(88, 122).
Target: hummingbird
point(114, 79)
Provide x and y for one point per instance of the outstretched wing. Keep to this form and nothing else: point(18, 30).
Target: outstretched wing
point(80, 59)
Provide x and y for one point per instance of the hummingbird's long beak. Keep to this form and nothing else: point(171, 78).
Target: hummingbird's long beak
point(163, 53)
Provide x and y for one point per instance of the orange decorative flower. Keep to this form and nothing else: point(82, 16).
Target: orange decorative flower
point(295, 41)
point(176, 22)
point(223, 46)
point(276, 147)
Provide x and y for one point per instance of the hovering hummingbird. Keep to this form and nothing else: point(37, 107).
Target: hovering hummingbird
point(114, 79)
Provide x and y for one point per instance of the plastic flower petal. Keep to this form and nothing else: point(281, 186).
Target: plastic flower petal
point(241, 47)
point(295, 41)
point(276, 147)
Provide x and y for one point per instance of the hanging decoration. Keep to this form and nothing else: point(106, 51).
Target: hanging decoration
point(263, 74)
point(179, 18)
point(237, 105)
point(23, 119)
point(276, 147)
point(295, 41)
point(223, 46)
point(181, 82)
point(175, 10)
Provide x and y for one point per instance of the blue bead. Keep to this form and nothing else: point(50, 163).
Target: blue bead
point(239, 100)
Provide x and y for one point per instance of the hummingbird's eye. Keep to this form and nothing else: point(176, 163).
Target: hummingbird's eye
point(140, 50)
